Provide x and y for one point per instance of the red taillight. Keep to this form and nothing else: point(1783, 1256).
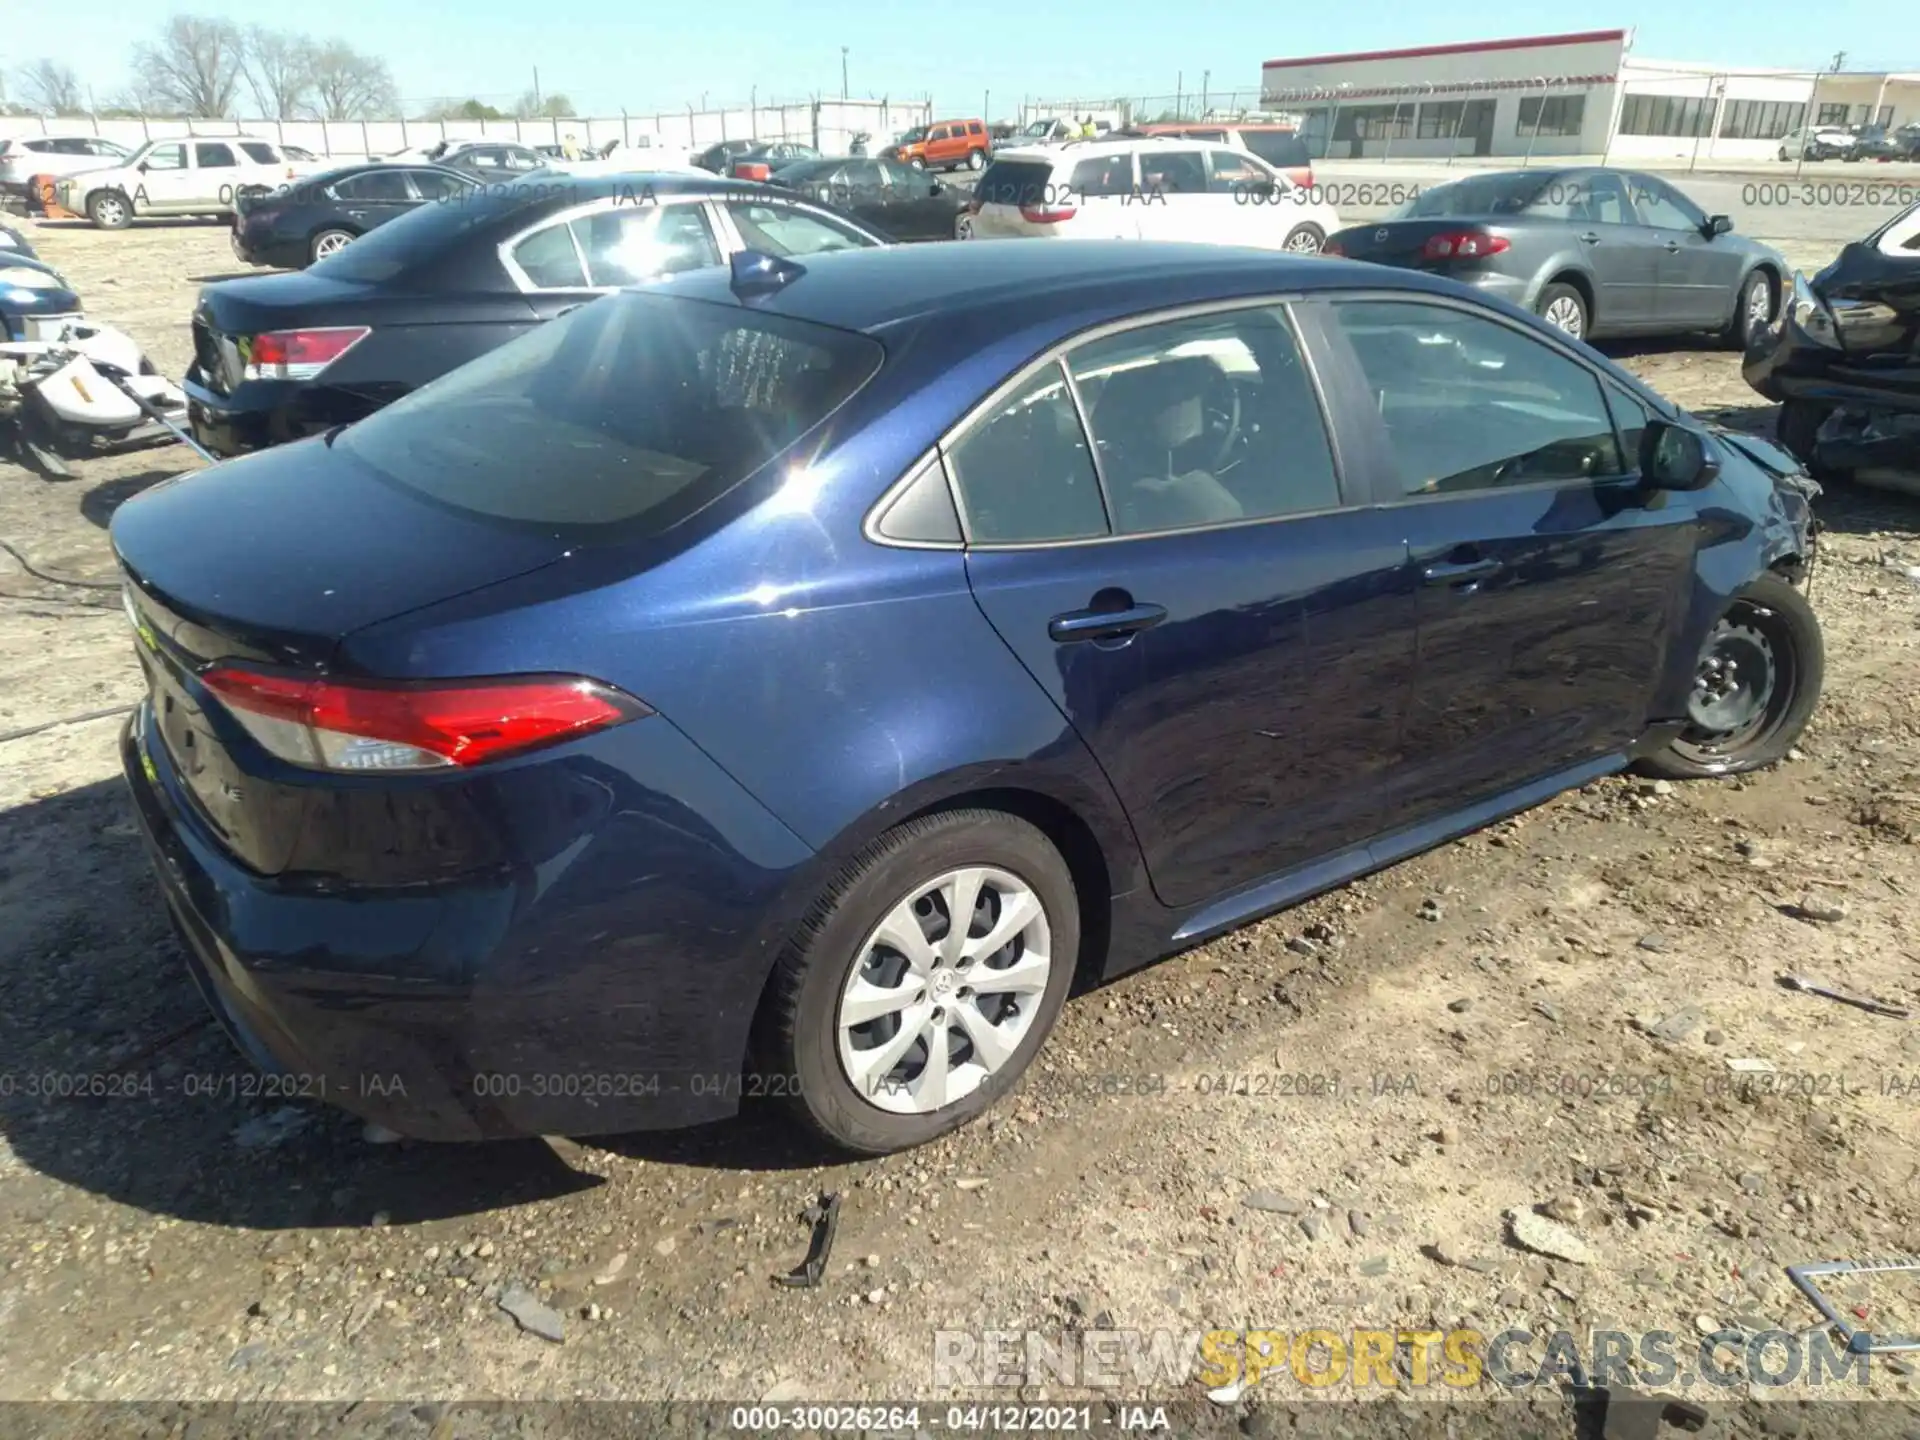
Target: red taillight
point(1463, 245)
point(1333, 247)
point(360, 726)
point(299, 354)
point(752, 170)
point(1047, 214)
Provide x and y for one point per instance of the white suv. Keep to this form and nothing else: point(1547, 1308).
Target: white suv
point(25, 156)
point(185, 175)
point(1145, 189)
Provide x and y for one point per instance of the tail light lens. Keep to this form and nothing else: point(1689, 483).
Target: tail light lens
point(1463, 245)
point(1333, 247)
point(752, 170)
point(299, 354)
point(1047, 214)
point(360, 726)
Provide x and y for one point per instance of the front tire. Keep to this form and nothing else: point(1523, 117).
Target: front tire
point(1304, 240)
point(894, 1028)
point(1564, 308)
point(1751, 311)
point(976, 159)
point(110, 210)
point(1757, 682)
point(917, 163)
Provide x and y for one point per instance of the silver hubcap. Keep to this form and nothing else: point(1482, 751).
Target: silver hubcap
point(1759, 305)
point(328, 244)
point(111, 211)
point(1564, 314)
point(935, 1004)
point(963, 228)
point(1302, 241)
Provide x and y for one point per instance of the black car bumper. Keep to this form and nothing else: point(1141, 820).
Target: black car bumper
point(464, 1046)
point(262, 413)
point(252, 248)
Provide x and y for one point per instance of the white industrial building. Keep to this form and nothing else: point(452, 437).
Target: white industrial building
point(1583, 94)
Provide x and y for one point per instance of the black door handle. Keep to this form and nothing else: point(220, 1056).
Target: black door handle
point(1590, 238)
point(1104, 624)
point(1673, 247)
point(1468, 572)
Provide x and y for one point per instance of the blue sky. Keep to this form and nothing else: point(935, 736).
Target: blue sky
point(612, 54)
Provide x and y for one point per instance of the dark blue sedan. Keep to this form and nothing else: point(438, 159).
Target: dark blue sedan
point(789, 681)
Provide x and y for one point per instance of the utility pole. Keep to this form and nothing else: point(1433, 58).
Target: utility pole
point(536, 89)
point(843, 72)
point(1206, 78)
point(1839, 59)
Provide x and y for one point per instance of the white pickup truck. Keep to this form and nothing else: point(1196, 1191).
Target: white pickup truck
point(182, 175)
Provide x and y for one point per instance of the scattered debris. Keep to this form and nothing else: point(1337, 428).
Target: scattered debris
point(1228, 1394)
point(1750, 1065)
point(973, 1183)
point(1678, 1026)
point(532, 1315)
point(809, 1272)
point(1430, 909)
point(1544, 1237)
point(1273, 1202)
point(1861, 1342)
point(1821, 911)
point(1460, 1006)
point(1872, 1007)
point(1655, 943)
point(1567, 1209)
point(611, 1271)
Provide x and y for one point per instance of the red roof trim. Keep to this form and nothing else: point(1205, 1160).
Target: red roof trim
point(1471, 47)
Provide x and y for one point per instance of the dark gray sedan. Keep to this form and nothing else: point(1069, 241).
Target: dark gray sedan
point(1593, 251)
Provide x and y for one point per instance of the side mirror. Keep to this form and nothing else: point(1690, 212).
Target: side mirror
point(1719, 225)
point(1674, 458)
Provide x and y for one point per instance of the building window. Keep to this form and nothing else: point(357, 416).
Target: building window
point(1551, 115)
point(1886, 115)
point(1665, 115)
point(1760, 119)
point(1441, 120)
point(1831, 115)
point(1374, 122)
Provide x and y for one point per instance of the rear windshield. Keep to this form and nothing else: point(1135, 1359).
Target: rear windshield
point(627, 415)
point(1482, 195)
point(423, 235)
point(1281, 149)
point(1015, 182)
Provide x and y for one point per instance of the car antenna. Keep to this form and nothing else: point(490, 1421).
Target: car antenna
point(757, 274)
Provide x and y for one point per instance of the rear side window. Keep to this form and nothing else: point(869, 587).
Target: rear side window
point(619, 419)
point(1017, 182)
point(1279, 148)
point(1025, 472)
point(213, 157)
point(1103, 175)
point(1177, 172)
point(259, 153)
point(374, 185)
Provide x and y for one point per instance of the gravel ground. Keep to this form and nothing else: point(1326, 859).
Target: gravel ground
point(1325, 1119)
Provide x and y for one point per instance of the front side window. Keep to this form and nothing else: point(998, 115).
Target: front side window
point(166, 157)
point(1175, 172)
point(549, 260)
point(1469, 404)
point(1025, 472)
point(1229, 173)
point(374, 185)
point(1096, 176)
point(261, 153)
point(1205, 420)
point(1665, 208)
point(784, 230)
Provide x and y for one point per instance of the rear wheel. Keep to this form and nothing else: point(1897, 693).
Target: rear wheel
point(924, 981)
point(1304, 240)
point(963, 226)
point(329, 242)
point(1564, 308)
point(1755, 685)
point(976, 159)
point(110, 210)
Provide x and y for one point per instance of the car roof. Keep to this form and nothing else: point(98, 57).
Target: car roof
point(1106, 145)
point(879, 289)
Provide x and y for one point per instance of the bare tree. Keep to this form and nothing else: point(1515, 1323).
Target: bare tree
point(47, 85)
point(533, 106)
point(194, 67)
point(280, 72)
point(352, 86)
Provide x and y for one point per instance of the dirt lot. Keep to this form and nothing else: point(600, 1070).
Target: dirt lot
point(1321, 1120)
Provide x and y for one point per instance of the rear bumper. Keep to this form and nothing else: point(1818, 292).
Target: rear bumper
point(553, 1003)
point(263, 413)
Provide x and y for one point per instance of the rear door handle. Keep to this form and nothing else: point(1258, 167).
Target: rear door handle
point(1464, 573)
point(1673, 247)
point(1590, 238)
point(1104, 624)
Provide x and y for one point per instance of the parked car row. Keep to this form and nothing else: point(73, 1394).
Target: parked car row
point(1865, 142)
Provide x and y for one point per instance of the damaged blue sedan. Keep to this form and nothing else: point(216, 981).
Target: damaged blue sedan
point(789, 681)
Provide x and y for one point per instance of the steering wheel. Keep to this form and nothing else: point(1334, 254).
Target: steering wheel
point(1221, 407)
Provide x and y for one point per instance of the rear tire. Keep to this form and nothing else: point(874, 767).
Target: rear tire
point(330, 241)
point(1759, 679)
point(1564, 308)
point(976, 159)
point(840, 958)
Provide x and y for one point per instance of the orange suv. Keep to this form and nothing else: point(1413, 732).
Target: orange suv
point(943, 145)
